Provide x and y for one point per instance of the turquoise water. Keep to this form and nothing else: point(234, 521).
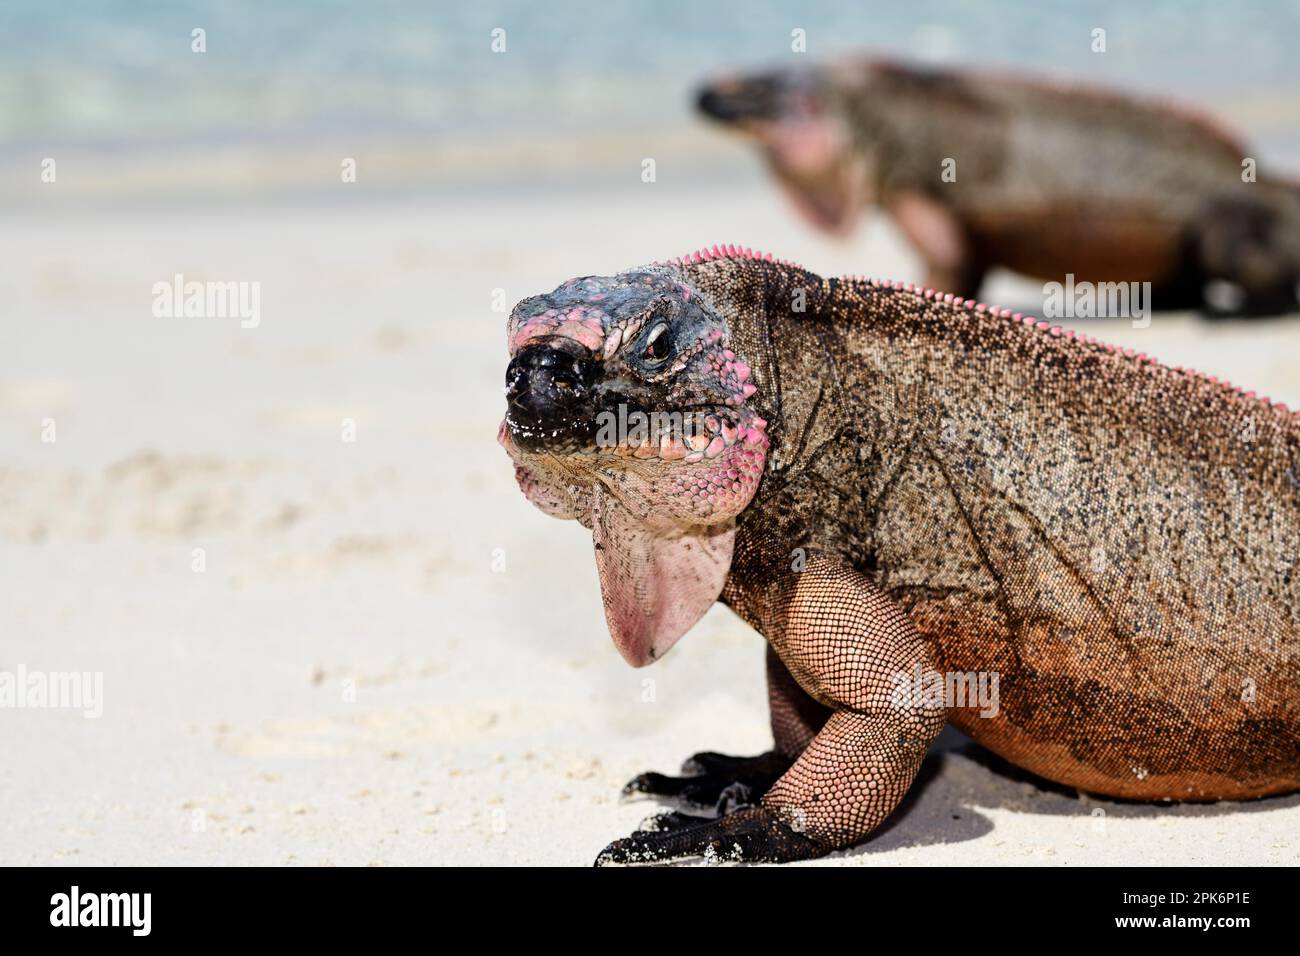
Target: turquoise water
point(122, 74)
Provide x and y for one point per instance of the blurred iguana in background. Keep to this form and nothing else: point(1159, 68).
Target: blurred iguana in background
point(982, 171)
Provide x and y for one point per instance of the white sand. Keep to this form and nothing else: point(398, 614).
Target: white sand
point(493, 721)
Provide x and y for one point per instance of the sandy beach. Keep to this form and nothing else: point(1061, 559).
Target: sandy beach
point(321, 651)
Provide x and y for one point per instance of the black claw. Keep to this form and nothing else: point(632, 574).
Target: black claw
point(752, 835)
point(667, 822)
point(715, 781)
point(656, 784)
point(706, 761)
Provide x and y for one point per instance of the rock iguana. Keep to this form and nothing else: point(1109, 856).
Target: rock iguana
point(981, 170)
point(891, 484)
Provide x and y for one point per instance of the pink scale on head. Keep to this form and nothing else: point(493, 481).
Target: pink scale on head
point(530, 329)
point(586, 328)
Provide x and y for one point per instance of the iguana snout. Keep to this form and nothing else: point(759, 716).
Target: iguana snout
point(743, 100)
point(628, 411)
point(550, 391)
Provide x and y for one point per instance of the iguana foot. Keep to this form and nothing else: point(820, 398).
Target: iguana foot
point(715, 780)
point(752, 835)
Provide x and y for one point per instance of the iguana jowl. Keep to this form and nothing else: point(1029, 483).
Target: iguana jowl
point(981, 171)
point(888, 482)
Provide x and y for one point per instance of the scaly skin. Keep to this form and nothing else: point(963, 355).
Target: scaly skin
point(943, 486)
point(1049, 180)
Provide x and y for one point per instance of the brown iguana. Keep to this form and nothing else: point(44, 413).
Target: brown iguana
point(901, 491)
point(980, 171)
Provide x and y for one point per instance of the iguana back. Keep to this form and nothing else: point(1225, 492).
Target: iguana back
point(1117, 539)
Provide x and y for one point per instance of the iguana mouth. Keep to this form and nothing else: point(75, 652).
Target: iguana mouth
point(690, 435)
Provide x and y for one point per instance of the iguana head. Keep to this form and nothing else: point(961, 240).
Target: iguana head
point(793, 116)
point(627, 410)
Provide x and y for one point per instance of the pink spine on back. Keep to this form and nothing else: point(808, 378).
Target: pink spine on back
point(730, 251)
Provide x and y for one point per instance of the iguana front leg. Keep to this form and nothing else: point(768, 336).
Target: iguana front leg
point(852, 648)
point(796, 717)
point(951, 261)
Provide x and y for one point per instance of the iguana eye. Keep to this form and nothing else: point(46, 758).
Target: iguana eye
point(658, 343)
